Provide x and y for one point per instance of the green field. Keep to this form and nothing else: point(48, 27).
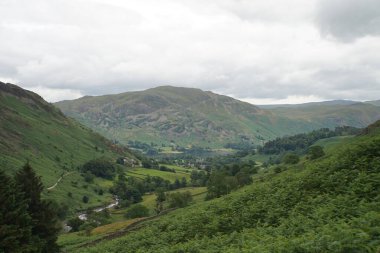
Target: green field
point(143, 173)
point(329, 144)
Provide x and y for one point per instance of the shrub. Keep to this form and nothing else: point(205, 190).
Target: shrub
point(75, 224)
point(85, 199)
point(290, 158)
point(315, 152)
point(179, 199)
point(137, 211)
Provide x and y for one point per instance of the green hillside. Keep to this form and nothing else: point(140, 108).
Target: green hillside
point(330, 204)
point(35, 131)
point(192, 117)
point(328, 114)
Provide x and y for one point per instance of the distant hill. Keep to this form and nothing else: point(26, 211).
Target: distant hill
point(33, 130)
point(310, 104)
point(331, 113)
point(375, 102)
point(188, 116)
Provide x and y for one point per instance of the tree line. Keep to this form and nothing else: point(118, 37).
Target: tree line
point(300, 142)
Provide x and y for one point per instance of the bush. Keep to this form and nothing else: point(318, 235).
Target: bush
point(75, 224)
point(100, 167)
point(137, 211)
point(315, 152)
point(88, 177)
point(179, 199)
point(164, 168)
point(85, 199)
point(290, 158)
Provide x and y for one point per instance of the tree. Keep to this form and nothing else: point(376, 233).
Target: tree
point(183, 182)
point(75, 224)
point(160, 198)
point(177, 184)
point(100, 167)
point(198, 178)
point(220, 184)
point(16, 223)
point(137, 211)
point(85, 199)
point(243, 178)
point(88, 177)
point(315, 152)
point(45, 222)
point(126, 191)
point(290, 158)
point(179, 199)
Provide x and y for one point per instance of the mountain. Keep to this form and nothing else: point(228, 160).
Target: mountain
point(188, 116)
point(375, 102)
point(330, 204)
point(331, 113)
point(310, 104)
point(33, 130)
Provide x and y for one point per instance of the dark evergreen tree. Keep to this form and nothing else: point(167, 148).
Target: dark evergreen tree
point(85, 199)
point(15, 222)
point(45, 224)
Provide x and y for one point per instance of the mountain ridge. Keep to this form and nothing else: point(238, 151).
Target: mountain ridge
point(173, 115)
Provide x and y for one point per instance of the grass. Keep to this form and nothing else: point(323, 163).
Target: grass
point(329, 144)
point(113, 227)
point(143, 172)
point(70, 241)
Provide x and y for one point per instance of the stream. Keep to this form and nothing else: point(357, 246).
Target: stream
point(83, 216)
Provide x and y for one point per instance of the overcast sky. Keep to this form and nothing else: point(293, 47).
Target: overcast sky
point(261, 51)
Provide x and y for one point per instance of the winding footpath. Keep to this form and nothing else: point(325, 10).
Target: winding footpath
point(59, 180)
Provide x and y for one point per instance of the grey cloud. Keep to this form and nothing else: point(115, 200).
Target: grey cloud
point(248, 48)
point(348, 20)
point(357, 83)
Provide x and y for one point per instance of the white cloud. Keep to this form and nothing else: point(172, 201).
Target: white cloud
point(253, 49)
point(55, 95)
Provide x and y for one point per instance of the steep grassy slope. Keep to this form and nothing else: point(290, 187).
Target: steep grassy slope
point(33, 130)
point(327, 205)
point(194, 117)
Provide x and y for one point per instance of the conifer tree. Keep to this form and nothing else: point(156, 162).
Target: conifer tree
point(15, 222)
point(45, 224)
